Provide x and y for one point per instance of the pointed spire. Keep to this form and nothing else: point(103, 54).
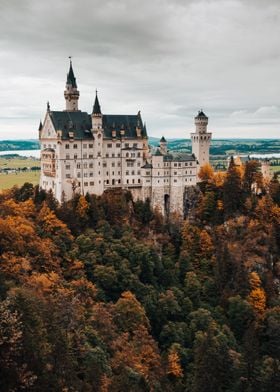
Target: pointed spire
point(40, 126)
point(163, 140)
point(70, 76)
point(96, 107)
point(48, 107)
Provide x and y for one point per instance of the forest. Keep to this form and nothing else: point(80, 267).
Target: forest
point(102, 294)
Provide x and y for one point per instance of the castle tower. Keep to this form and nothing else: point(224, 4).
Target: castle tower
point(71, 93)
point(163, 145)
point(201, 139)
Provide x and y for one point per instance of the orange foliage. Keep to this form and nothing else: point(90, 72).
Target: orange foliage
point(174, 367)
point(206, 172)
point(256, 297)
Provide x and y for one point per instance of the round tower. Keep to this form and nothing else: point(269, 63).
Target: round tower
point(201, 139)
point(71, 93)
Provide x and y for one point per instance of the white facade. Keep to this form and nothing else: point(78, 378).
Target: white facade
point(82, 153)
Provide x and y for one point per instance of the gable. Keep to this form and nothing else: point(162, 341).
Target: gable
point(48, 131)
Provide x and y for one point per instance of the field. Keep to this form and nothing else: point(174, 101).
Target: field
point(9, 180)
point(18, 162)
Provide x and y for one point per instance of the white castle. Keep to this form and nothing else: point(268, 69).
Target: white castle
point(90, 153)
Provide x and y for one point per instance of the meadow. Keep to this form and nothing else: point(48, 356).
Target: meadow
point(9, 180)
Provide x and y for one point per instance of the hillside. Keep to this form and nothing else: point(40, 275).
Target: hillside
point(102, 294)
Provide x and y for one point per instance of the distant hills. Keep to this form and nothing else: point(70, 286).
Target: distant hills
point(219, 147)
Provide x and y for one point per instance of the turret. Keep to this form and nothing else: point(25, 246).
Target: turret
point(163, 145)
point(201, 139)
point(201, 122)
point(71, 93)
point(96, 116)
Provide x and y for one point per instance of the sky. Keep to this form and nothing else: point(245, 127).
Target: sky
point(167, 58)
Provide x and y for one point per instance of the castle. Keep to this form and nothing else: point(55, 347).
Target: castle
point(90, 153)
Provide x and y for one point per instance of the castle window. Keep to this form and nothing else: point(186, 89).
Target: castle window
point(67, 156)
point(135, 145)
point(113, 155)
point(109, 145)
point(139, 154)
point(107, 173)
point(91, 183)
point(91, 174)
point(179, 164)
point(104, 164)
point(91, 165)
point(79, 175)
point(127, 173)
point(148, 173)
point(126, 145)
point(139, 180)
point(99, 154)
point(133, 155)
point(113, 164)
point(84, 145)
point(133, 172)
point(67, 146)
point(85, 155)
point(158, 174)
point(127, 181)
point(107, 155)
point(107, 182)
point(133, 181)
point(86, 183)
point(119, 173)
point(190, 163)
point(186, 172)
point(78, 165)
point(138, 172)
point(186, 164)
point(113, 173)
point(67, 175)
point(90, 146)
point(127, 154)
point(90, 156)
point(175, 180)
point(118, 145)
point(175, 164)
point(119, 155)
point(175, 173)
point(119, 164)
point(67, 167)
point(138, 164)
point(75, 156)
point(75, 146)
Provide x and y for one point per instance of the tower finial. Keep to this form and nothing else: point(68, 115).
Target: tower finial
point(48, 106)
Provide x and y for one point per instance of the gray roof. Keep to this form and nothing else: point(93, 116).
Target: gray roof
point(179, 156)
point(163, 140)
point(96, 107)
point(201, 114)
point(147, 166)
point(80, 123)
point(117, 122)
point(70, 77)
point(77, 122)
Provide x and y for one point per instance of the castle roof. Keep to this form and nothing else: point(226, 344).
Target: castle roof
point(179, 157)
point(96, 106)
point(163, 140)
point(80, 123)
point(71, 77)
point(201, 114)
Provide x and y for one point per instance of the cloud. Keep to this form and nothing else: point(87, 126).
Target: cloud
point(167, 58)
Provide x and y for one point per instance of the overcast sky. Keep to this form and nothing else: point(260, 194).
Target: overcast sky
point(167, 58)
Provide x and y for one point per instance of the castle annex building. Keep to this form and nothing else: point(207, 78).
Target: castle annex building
point(90, 153)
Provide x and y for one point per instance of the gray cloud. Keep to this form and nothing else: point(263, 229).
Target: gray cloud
point(167, 58)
